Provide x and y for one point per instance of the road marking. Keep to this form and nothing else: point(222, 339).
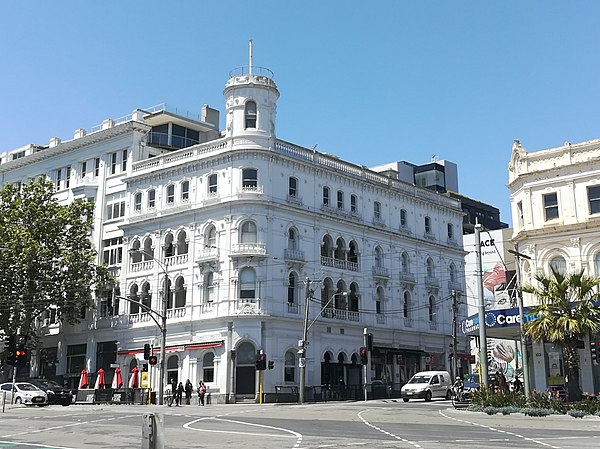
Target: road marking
point(297, 435)
point(533, 440)
point(37, 445)
point(404, 440)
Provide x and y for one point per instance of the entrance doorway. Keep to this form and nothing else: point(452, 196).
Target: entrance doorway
point(245, 370)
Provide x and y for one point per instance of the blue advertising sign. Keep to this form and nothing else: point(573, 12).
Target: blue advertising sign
point(495, 319)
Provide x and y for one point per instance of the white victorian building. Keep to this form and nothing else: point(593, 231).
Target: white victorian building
point(555, 203)
point(234, 222)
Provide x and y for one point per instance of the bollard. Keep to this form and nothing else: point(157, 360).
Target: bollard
point(152, 432)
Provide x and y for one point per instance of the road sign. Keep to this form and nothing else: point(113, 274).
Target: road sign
point(302, 362)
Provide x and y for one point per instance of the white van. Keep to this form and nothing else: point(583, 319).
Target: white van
point(427, 385)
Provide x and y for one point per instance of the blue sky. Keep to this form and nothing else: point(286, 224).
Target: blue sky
point(371, 82)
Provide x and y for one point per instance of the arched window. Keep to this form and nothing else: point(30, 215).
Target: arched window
point(247, 284)
point(151, 199)
point(379, 300)
point(341, 299)
point(136, 255)
point(406, 305)
point(403, 218)
point(325, 196)
point(379, 257)
point(326, 293)
point(430, 268)
point(352, 252)
point(559, 264)
point(146, 296)
point(432, 313)
point(182, 244)
point(169, 292)
point(245, 354)
point(327, 246)
point(292, 287)
point(377, 210)
point(353, 297)
point(169, 249)
point(450, 231)
point(340, 199)
point(173, 369)
point(250, 115)
point(134, 306)
point(597, 264)
point(292, 239)
point(212, 184)
point(185, 191)
point(208, 367)
point(405, 263)
point(340, 249)
point(180, 292)
point(293, 187)
point(171, 194)
point(428, 225)
point(453, 277)
point(138, 202)
point(209, 288)
point(148, 253)
point(249, 232)
point(290, 367)
point(210, 239)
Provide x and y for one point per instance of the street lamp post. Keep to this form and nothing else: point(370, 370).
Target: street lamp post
point(524, 362)
point(163, 325)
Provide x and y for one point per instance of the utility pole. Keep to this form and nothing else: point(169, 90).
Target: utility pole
point(525, 363)
point(454, 333)
point(483, 361)
point(366, 367)
point(303, 343)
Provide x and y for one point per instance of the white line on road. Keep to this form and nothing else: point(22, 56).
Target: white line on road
point(38, 445)
point(297, 435)
point(533, 440)
point(404, 440)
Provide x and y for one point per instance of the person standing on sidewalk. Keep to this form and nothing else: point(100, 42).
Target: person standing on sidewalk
point(201, 393)
point(189, 389)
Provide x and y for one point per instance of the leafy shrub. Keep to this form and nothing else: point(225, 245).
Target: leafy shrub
point(491, 410)
point(589, 406)
point(539, 400)
point(509, 409)
point(537, 411)
point(575, 413)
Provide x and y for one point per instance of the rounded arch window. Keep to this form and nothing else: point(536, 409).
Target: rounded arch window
point(250, 114)
point(208, 367)
point(292, 287)
point(169, 250)
point(247, 283)
point(290, 367)
point(249, 232)
point(558, 264)
point(452, 272)
point(246, 354)
point(173, 369)
point(182, 244)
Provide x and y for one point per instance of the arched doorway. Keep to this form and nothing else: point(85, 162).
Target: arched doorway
point(245, 369)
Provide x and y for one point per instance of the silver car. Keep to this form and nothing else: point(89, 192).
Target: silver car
point(24, 393)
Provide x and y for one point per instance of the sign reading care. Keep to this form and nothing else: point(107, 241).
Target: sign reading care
point(496, 319)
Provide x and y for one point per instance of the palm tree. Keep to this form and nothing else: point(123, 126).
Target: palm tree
point(565, 314)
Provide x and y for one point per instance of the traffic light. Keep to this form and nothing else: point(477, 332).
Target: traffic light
point(271, 364)
point(20, 350)
point(12, 348)
point(152, 360)
point(364, 356)
point(594, 352)
point(369, 342)
point(597, 358)
point(261, 361)
point(146, 351)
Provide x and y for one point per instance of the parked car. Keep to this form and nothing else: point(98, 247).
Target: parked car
point(558, 391)
point(24, 393)
point(427, 385)
point(56, 393)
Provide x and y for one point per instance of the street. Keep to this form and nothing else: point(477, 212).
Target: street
point(374, 424)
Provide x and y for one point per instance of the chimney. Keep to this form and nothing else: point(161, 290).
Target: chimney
point(137, 115)
point(108, 123)
point(79, 133)
point(53, 142)
point(210, 115)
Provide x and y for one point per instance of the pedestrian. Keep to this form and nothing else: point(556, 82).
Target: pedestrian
point(503, 386)
point(173, 392)
point(201, 393)
point(189, 389)
point(179, 394)
point(517, 385)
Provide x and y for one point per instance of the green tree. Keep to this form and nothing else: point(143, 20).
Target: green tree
point(565, 314)
point(46, 257)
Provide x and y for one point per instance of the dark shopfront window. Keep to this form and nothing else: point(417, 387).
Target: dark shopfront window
point(106, 353)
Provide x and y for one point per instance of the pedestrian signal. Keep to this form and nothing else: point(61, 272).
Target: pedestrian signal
point(271, 364)
point(153, 360)
point(146, 351)
point(364, 356)
point(261, 362)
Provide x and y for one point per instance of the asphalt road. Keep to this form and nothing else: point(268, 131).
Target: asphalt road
point(373, 424)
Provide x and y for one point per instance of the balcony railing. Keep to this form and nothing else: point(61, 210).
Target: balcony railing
point(207, 307)
point(337, 263)
point(292, 307)
point(208, 253)
point(146, 265)
point(341, 314)
point(380, 319)
point(176, 260)
point(176, 313)
point(247, 307)
point(293, 254)
point(408, 277)
point(249, 249)
point(294, 199)
point(252, 189)
point(139, 317)
point(381, 272)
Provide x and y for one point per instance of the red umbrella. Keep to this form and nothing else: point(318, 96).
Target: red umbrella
point(99, 379)
point(117, 381)
point(133, 382)
point(83, 381)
